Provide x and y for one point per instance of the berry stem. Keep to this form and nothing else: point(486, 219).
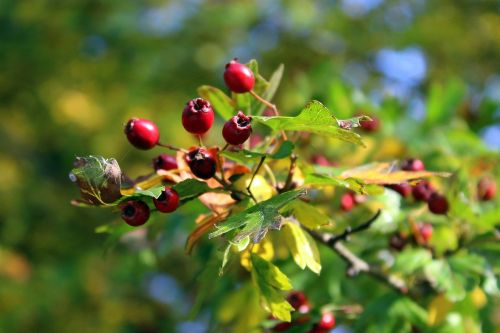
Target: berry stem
point(269, 105)
point(171, 147)
point(225, 147)
point(253, 176)
point(200, 141)
point(291, 172)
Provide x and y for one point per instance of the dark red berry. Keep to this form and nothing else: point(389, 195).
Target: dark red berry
point(281, 327)
point(198, 116)
point(298, 300)
point(168, 201)
point(404, 189)
point(165, 162)
point(437, 203)
point(142, 133)
point(413, 164)
point(327, 321)
point(237, 129)
point(135, 212)
point(238, 77)
point(398, 242)
point(486, 189)
point(422, 190)
point(347, 201)
point(201, 163)
point(425, 230)
point(320, 160)
point(370, 125)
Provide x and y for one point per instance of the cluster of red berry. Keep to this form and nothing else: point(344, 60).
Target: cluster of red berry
point(197, 118)
point(421, 235)
point(298, 300)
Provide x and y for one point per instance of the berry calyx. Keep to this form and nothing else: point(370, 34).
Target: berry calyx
point(370, 125)
point(142, 133)
point(438, 204)
point(201, 163)
point(425, 231)
point(422, 190)
point(237, 129)
point(298, 300)
point(198, 116)
point(164, 162)
point(135, 212)
point(168, 201)
point(347, 201)
point(404, 189)
point(238, 77)
point(486, 189)
point(412, 164)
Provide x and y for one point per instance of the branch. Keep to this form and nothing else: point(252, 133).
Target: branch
point(356, 264)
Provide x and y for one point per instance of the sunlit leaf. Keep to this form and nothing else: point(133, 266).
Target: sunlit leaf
point(302, 247)
point(221, 103)
point(353, 184)
point(243, 155)
point(410, 260)
point(308, 215)
point(314, 118)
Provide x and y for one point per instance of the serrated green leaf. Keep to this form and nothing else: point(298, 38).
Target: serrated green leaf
point(314, 118)
point(410, 260)
point(271, 281)
point(352, 184)
point(308, 215)
point(258, 219)
point(243, 155)
point(302, 247)
point(221, 103)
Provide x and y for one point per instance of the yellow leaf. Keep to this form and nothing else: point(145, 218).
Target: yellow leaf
point(438, 310)
point(264, 249)
point(302, 247)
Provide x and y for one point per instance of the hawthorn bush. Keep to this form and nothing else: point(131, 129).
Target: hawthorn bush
point(331, 216)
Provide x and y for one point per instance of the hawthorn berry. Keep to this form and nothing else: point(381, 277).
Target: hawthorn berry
point(320, 160)
point(198, 116)
point(425, 231)
point(142, 133)
point(326, 323)
point(486, 189)
point(412, 164)
point(201, 163)
point(370, 125)
point(422, 190)
point(281, 327)
point(238, 77)
point(135, 212)
point(437, 203)
point(398, 242)
point(404, 189)
point(237, 129)
point(298, 300)
point(347, 201)
point(168, 201)
point(164, 162)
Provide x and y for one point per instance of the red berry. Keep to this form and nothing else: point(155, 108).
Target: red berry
point(135, 212)
point(422, 190)
point(404, 189)
point(347, 201)
point(437, 203)
point(238, 129)
point(486, 189)
point(412, 164)
point(320, 160)
point(201, 163)
point(398, 241)
point(164, 162)
point(198, 116)
point(238, 77)
point(168, 201)
point(298, 300)
point(425, 230)
point(370, 125)
point(142, 133)
point(281, 327)
point(327, 321)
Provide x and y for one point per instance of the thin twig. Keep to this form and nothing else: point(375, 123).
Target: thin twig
point(291, 172)
point(262, 159)
point(269, 105)
point(356, 264)
point(164, 145)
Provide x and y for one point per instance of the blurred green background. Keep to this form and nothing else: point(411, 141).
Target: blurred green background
point(72, 72)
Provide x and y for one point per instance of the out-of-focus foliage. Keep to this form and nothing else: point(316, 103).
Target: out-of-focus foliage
point(72, 72)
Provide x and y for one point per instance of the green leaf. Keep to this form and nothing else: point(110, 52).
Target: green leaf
point(272, 87)
point(221, 103)
point(339, 99)
point(444, 100)
point(410, 260)
point(271, 281)
point(440, 275)
point(243, 155)
point(302, 247)
point(314, 118)
point(192, 188)
point(308, 215)
point(258, 219)
point(352, 184)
